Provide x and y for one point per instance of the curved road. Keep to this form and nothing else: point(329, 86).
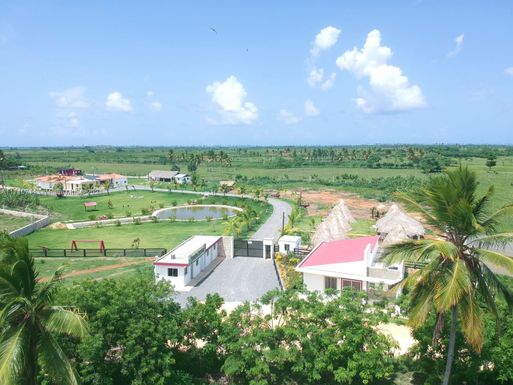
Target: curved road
point(272, 226)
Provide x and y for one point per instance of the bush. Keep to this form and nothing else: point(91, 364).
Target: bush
point(154, 219)
point(92, 217)
point(128, 213)
point(110, 216)
point(118, 222)
point(174, 203)
point(161, 205)
point(172, 219)
point(18, 199)
point(137, 221)
point(145, 211)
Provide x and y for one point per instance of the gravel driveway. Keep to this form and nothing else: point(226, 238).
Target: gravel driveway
point(236, 280)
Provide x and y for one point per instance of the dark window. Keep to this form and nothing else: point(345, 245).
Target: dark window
point(356, 285)
point(172, 272)
point(197, 261)
point(185, 270)
point(330, 283)
point(287, 247)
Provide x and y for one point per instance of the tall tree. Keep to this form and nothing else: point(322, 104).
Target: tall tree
point(457, 278)
point(30, 322)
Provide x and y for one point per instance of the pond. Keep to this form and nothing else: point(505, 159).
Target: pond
point(197, 212)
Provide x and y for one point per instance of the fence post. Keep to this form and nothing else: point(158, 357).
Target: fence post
point(124, 252)
point(104, 252)
point(145, 252)
point(65, 253)
point(85, 254)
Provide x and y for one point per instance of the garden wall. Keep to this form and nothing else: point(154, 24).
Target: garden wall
point(42, 221)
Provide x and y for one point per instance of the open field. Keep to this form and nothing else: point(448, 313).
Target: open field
point(164, 234)
point(10, 222)
point(78, 269)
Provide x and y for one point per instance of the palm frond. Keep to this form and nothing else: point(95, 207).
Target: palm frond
point(496, 259)
point(412, 204)
point(13, 347)
point(54, 362)
point(471, 320)
point(57, 319)
point(497, 240)
point(452, 285)
point(419, 250)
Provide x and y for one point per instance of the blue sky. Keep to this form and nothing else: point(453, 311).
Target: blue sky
point(296, 72)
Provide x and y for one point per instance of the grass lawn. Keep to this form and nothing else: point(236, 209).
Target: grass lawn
point(10, 222)
point(47, 266)
point(164, 234)
point(125, 204)
point(361, 228)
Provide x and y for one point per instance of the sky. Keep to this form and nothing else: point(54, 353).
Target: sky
point(227, 73)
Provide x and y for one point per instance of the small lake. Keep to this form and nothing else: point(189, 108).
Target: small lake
point(196, 212)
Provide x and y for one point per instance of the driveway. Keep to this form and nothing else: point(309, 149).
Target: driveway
point(237, 279)
point(272, 227)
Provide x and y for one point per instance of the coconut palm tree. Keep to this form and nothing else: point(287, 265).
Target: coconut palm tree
point(29, 322)
point(457, 278)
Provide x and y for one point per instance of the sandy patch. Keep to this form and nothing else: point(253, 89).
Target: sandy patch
point(401, 334)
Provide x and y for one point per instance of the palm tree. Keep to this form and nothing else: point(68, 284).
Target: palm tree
point(457, 278)
point(29, 322)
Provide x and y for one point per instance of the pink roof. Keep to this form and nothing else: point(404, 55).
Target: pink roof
point(341, 251)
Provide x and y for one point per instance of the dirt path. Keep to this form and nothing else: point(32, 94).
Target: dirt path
point(101, 268)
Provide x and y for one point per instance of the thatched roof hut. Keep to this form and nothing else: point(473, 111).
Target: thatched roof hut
point(396, 218)
point(335, 226)
point(398, 234)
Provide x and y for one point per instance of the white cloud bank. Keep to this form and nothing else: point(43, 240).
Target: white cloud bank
point(73, 97)
point(116, 102)
point(390, 90)
point(311, 109)
point(459, 45)
point(288, 117)
point(229, 96)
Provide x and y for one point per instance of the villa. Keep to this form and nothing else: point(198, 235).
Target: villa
point(348, 263)
point(161, 176)
point(77, 184)
point(183, 178)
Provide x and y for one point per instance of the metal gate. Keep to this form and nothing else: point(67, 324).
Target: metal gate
point(248, 248)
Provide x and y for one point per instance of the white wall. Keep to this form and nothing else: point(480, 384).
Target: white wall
point(313, 282)
point(177, 282)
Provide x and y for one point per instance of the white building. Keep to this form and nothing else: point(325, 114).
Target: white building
point(348, 263)
point(116, 180)
point(289, 243)
point(70, 184)
point(182, 178)
point(162, 176)
point(180, 265)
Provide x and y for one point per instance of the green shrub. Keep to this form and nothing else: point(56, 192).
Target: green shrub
point(118, 222)
point(137, 221)
point(110, 216)
point(161, 205)
point(92, 217)
point(174, 203)
point(128, 213)
point(154, 219)
point(145, 211)
point(172, 219)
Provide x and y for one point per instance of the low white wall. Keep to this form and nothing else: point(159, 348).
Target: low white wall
point(42, 221)
point(313, 282)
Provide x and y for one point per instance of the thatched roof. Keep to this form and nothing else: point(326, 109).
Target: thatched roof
point(396, 217)
point(396, 235)
point(335, 226)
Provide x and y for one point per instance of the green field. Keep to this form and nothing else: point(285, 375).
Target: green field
point(47, 266)
point(164, 234)
point(10, 222)
point(124, 204)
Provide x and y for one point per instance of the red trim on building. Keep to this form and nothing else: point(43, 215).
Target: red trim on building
point(170, 264)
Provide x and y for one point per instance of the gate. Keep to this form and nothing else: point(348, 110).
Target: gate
point(248, 248)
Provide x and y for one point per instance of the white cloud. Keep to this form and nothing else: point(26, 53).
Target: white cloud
point(390, 90)
point(116, 102)
point(459, 44)
point(156, 105)
point(73, 97)
point(509, 71)
point(230, 96)
point(73, 120)
point(328, 83)
point(311, 109)
point(315, 76)
point(325, 39)
point(288, 117)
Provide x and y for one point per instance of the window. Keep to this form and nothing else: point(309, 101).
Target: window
point(185, 270)
point(172, 272)
point(197, 261)
point(348, 283)
point(287, 247)
point(330, 283)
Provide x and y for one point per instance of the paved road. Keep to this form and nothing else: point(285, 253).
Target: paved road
point(272, 227)
point(236, 280)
